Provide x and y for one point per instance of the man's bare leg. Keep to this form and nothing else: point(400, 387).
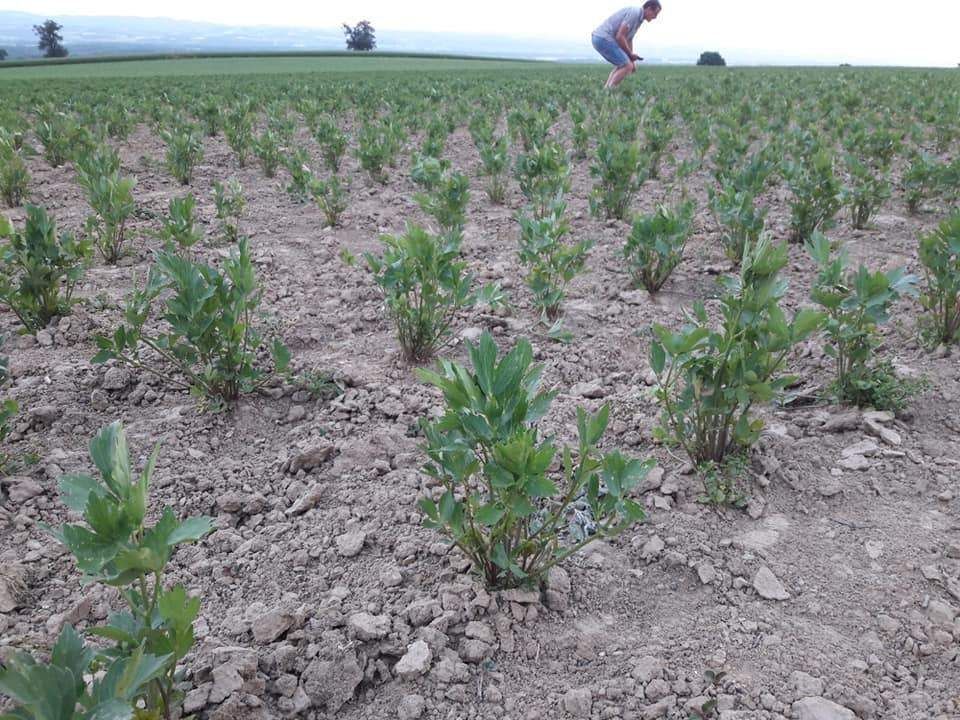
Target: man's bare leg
point(618, 75)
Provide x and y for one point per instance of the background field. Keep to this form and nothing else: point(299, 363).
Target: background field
point(861, 533)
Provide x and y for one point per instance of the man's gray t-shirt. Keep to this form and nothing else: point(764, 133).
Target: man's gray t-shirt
point(632, 16)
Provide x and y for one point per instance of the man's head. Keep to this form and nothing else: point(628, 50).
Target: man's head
point(651, 8)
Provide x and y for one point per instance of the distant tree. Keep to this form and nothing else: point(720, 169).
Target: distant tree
point(361, 37)
point(711, 58)
point(51, 42)
point(3, 54)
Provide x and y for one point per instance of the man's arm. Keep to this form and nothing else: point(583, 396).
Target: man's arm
point(625, 43)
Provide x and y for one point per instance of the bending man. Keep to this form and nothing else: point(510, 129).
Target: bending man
point(614, 39)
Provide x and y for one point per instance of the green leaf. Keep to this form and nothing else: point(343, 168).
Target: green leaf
point(190, 530)
point(489, 515)
point(76, 491)
point(111, 710)
point(658, 358)
point(281, 356)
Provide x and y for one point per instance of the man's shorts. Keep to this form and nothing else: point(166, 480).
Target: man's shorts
point(610, 51)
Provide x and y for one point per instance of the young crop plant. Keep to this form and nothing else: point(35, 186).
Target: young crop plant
point(866, 192)
point(507, 492)
point(435, 138)
point(374, 148)
point(111, 198)
point(855, 302)
point(331, 197)
point(55, 132)
point(940, 257)
point(229, 201)
point(8, 410)
point(207, 343)
point(117, 548)
point(184, 151)
point(530, 127)
point(238, 128)
point(210, 115)
point(425, 285)
point(740, 221)
point(579, 133)
point(447, 204)
point(620, 170)
point(544, 176)
point(427, 171)
point(659, 133)
point(920, 180)
point(816, 195)
point(266, 147)
point(179, 231)
point(495, 160)
point(709, 377)
point(550, 261)
point(40, 269)
point(300, 187)
point(332, 140)
point(656, 244)
point(14, 176)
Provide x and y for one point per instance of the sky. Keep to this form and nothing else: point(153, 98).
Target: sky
point(919, 32)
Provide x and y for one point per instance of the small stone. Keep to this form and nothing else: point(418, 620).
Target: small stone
point(855, 462)
point(474, 651)
point(13, 586)
point(806, 685)
point(874, 551)
point(864, 448)
point(415, 662)
point(842, 422)
point(830, 488)
point(196, 699)
point(350, 544)
point(480, 631)
point(657, 689)
point(652, 481)
point(888, 436)
point(593, 389)
point(331, 684)
point(558, 589)
point(411, 707)
point(818, 708)
point(652, 548)
point(116, 378)
point(310, 458)
point(296, 414)
point(647, 668)
point(391, 577)
point(707, 575)
point(226, 681)
point(271, 626)
point(45, 338)
point(21, 489)
point(879, 416)
point(471, 334)
point(578, 702)
point(365, 626)
point(768, 586)
point(45, 414)
point(940, 613)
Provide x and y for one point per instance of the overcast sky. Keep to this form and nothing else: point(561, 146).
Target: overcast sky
point(919, 32)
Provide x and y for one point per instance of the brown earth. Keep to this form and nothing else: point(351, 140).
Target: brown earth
point(870, 558)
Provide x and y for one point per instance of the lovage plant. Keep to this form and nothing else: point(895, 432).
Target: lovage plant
point(507, 493)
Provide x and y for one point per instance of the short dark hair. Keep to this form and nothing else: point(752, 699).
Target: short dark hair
point(655, 4)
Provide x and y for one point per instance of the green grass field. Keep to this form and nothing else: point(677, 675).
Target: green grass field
point(262, 65)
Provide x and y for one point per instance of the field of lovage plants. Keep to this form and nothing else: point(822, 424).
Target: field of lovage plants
point(387, 392)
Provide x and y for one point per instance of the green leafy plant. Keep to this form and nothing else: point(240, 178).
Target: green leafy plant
point(495, 160)
point(332, 140)
point(940, 257)
point(377, 145)
point(184, 151)
point(543, 173)
point(179, 228)
point(865, 193)
point(117, 548)
point(551, 262)
point(8, 410)
point(579, 132)
point(230, 203)
point(332, 197)
point(740, 221)
point(40, 269)
point(619, 170)
point(425, 285)
point(816, 195)
point(427, 171)
point(656, 244)
point(659, 132)
point(266, 147)
point(14, 176)
point(300, 187)
point(238, 128)
point(920, 179)
point(55, 690)
point(855, 303)
point(504, 503)
point(111, 197)
point(447, 203)
point(710, 378)
point(54, 131)
point(207, 343)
